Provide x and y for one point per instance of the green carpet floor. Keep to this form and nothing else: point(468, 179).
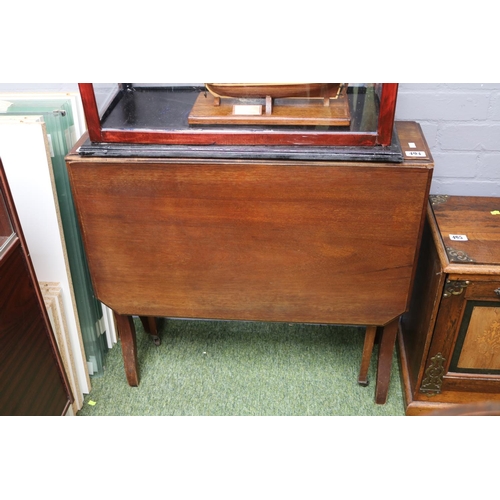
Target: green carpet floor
point(205, 368)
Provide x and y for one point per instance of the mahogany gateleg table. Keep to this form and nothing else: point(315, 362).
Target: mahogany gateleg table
point(274, 240)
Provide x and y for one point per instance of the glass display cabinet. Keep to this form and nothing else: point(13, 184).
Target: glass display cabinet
point(270, 114)
point(32, 375)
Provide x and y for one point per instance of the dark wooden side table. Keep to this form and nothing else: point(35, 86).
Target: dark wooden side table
point(450, 338)
point(251, 239)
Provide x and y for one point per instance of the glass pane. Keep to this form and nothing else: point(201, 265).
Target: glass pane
point(105, 93)
point(59, 121)
point(330, 107)
point(6, 230)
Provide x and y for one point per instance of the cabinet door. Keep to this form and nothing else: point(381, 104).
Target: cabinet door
point(32, 378)
point(465, 350)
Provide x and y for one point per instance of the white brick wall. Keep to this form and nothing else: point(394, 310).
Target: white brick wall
point(461, 123)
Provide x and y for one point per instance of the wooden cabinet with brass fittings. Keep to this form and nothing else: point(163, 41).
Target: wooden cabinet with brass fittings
point(449, 341)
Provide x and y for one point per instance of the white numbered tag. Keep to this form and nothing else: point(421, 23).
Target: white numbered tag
point(458, 237)
point(416, 154)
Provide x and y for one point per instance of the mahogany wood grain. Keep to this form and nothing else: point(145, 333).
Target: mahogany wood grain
point(384, 362)
point(292, 241)
point(91, 111)
point(386, 113)
point(367, 353)
point(250, 241)
point(150, 324)
point(382, 136)
point(126, 331)
point(192, 137)
point(32, 377)
point(5, 225)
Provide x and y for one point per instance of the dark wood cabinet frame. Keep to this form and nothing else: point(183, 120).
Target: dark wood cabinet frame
point(232, 136)
point(32, 377)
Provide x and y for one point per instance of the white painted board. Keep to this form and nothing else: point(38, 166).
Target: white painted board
point(24, 151)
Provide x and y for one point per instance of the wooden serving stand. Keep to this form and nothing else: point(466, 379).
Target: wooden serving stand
point(330, 111)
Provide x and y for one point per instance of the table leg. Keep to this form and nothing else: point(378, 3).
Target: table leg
point(367, 354)
point(385, 354)
point(150, 325)
point(126, 332)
